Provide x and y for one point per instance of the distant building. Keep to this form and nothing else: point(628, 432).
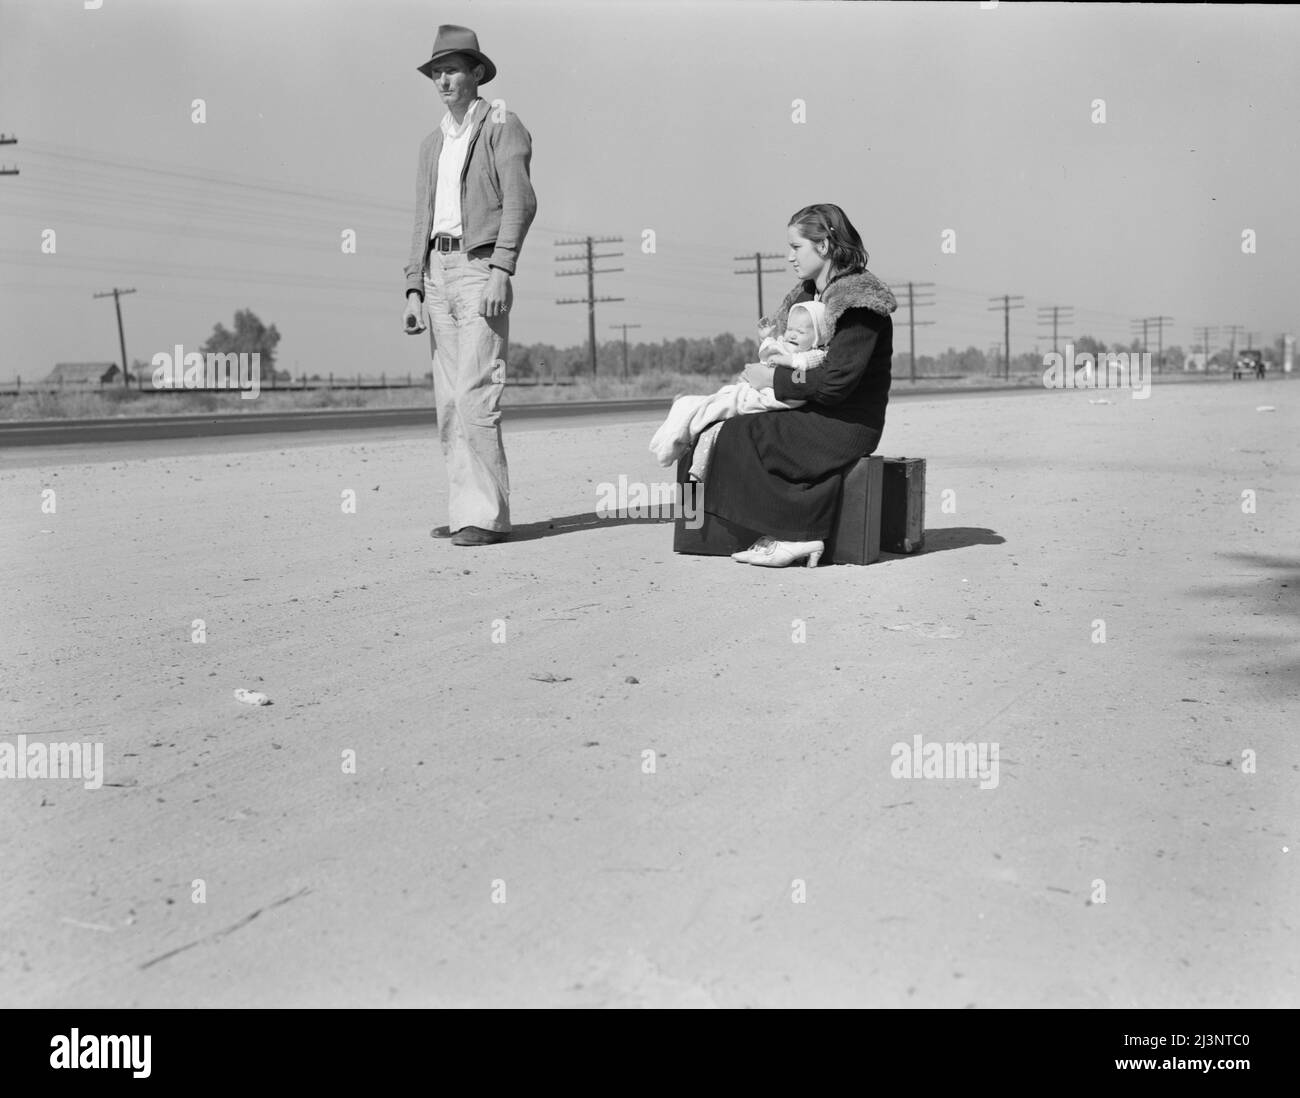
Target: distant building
point(83, 373)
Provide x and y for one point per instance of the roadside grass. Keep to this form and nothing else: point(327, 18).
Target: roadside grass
point(110, 402)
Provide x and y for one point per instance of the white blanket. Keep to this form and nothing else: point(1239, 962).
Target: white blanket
point(690, 415)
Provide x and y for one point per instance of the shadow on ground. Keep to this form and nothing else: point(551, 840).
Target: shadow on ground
point(937, 540)
point(573, 524)
point(943, 538)
point(1270, 600)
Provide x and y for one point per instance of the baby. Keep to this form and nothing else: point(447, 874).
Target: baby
point(699, 417)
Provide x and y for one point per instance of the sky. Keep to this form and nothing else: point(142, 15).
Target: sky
point(677, 118)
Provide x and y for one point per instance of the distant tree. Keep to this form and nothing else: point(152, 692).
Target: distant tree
point(724, 353)
point(544, 359)
point(519, 362)
point(972, 361)
point(696, 359)
point(250, 336)
point(679, 353)
point(1028, 363)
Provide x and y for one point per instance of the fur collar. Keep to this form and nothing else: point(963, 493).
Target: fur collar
point(853, 291)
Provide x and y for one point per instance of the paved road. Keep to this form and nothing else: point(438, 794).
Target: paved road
point(44, 443)
point(397, 422)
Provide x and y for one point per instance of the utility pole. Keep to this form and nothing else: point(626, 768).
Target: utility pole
point(758, 273)
point(1056, 311)
point(1206, 332)
point(1144, 321)
point(1006, 308)
point(1250, 336)
point(590, 300)
point(1160, 322)
point(625, 327)
point(8, 141)
point(914, 303)
point(116, 295)
point(1233, 329)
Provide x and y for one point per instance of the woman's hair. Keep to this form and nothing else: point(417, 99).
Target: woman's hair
point(824, 221)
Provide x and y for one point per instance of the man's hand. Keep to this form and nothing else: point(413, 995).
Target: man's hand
point(496, 296)
point(759, 375)
point(413, 317)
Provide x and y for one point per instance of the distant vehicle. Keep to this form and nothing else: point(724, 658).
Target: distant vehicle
point(1248, 362)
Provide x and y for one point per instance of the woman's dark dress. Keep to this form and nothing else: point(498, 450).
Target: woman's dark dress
point(779, 473)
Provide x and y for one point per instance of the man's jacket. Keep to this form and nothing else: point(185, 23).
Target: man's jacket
point(497, 203)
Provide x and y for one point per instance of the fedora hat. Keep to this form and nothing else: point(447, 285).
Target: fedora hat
point(454, 39)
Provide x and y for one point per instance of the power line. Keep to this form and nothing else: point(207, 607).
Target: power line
point(758, 272)
point(116, 295)
point(288, 215)
point(8, 141)
point(591, 272)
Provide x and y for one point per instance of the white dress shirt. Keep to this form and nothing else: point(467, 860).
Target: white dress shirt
point(451, 165)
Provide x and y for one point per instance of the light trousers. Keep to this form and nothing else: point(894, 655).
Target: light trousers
point(469, 374)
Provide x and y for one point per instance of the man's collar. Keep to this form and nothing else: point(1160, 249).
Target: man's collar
point(449, 127)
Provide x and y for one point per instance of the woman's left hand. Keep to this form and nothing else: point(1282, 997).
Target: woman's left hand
point(759, 376)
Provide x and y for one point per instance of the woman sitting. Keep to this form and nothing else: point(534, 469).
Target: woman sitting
point(782, 474)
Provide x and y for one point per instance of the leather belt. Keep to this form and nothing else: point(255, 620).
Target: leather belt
point(446, 243)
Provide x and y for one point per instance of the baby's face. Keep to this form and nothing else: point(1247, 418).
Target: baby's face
point(799, 332)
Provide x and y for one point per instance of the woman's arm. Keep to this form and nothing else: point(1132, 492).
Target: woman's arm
point(847, 356)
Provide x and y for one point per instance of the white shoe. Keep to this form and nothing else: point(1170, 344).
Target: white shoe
point(744, 554)
point(781, 554)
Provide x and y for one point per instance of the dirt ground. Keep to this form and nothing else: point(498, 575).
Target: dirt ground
point(507, 840)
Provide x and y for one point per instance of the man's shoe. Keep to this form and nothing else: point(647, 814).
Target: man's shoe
point(440, 532)
point(474, 535)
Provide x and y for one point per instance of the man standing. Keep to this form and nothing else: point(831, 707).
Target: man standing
point(474, 203)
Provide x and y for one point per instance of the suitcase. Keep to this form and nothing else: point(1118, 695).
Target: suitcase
point(711, 536)
point(855, 536)
point(902, 510)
